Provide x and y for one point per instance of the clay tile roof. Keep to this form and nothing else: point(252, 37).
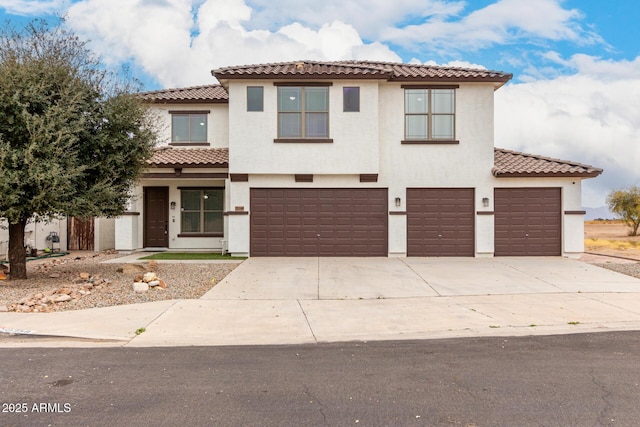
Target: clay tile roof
point(190, 157)
point(192, 95)
point(515, 164)
point(360, 70)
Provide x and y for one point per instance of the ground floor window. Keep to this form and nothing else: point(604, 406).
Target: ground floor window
point(201, 211)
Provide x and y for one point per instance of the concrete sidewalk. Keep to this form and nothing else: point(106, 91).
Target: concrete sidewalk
point(309, 300)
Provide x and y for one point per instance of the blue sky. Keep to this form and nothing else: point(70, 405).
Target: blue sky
point(576, 63)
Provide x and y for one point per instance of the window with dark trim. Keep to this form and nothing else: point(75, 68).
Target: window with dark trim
point(351, 99)
point(429, 114)
point(303, 112)
point(255, 98)
point(201, 211)
point(189, 126)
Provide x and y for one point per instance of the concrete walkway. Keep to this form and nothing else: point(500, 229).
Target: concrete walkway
point(309, 300)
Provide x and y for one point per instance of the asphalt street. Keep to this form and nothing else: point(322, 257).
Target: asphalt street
point(560, 380)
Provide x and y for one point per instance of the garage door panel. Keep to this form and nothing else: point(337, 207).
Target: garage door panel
point(327, 222)
point(527, 221)
point(440, 222)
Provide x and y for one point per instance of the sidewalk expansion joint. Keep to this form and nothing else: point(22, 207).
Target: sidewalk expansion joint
point(154, 319)
point(421, 278)
point(306, 319)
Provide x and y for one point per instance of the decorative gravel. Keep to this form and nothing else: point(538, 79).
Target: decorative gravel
point(631, 269)
point(106, 285)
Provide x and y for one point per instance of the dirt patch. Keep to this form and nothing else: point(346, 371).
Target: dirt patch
point(611, 238)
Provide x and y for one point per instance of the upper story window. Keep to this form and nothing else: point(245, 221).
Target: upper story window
point(350, 99)
point(303, 112)
point(189, 126)
point(429, 114)
point(255, 98)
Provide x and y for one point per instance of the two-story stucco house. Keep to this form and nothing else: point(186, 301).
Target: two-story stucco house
point(351, 158)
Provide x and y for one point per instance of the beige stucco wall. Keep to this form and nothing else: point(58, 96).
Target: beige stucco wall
point(365, 142)
point(375, 147)
point(355, 135)
point(217, 121)
point(129, 229)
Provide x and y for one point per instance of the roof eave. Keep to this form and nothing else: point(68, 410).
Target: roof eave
point(590, 174)
point(286, 76)
point(188, 165)
point(187, 101)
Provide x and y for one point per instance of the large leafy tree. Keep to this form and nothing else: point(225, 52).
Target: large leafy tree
point(626, 204)
point(73, 137)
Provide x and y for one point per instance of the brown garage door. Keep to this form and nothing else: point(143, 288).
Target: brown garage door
point(527, 221)
point(440, 222)
point(318, 222)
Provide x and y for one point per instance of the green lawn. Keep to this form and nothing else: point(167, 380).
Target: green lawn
point(195, 256)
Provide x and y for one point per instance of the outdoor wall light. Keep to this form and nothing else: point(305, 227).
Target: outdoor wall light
point(173, 205)
point(485, 202)
point(398, 201)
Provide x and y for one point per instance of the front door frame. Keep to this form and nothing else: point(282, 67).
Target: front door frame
point(162, 210)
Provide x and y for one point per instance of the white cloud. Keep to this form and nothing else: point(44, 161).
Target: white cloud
point(178, 49)
point(33, 7)
point(368, 17)
point(503, 22)
point(456, 64)
point(591, 116)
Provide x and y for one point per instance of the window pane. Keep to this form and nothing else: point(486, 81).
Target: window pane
point(289, 99)
point(212, 200)
point(190, 200)
point(179, 127)
point(213, 222)
point(190, 222)
point(442, 101)
point(415, 101)
point(316, 99)
point(255, 98)
point(198, 127)
point(443, 127)
point(289, 125)
point(317, 125)
point(416, 127)
point(351, 98)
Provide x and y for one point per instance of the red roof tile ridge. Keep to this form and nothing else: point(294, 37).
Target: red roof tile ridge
point(549, 159)
point(394, 68)
point(179, 89)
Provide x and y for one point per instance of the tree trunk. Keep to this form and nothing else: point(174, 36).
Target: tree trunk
point(17, 253)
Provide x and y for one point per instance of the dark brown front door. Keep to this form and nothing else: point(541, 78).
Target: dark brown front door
point(156, 217)
point(440, 222)
point(527, 222)
point(318, 222)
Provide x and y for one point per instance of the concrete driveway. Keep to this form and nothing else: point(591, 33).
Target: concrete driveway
point(386, 278)
point(309, 300)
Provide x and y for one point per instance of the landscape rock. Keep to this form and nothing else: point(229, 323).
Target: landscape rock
point(162, 284)
point(133, 268)
point(154, 283)
point(138, 278)
point(152, 265)
point(149, 277)
point(84, 275)
point(62, 298)
point(140, 287)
